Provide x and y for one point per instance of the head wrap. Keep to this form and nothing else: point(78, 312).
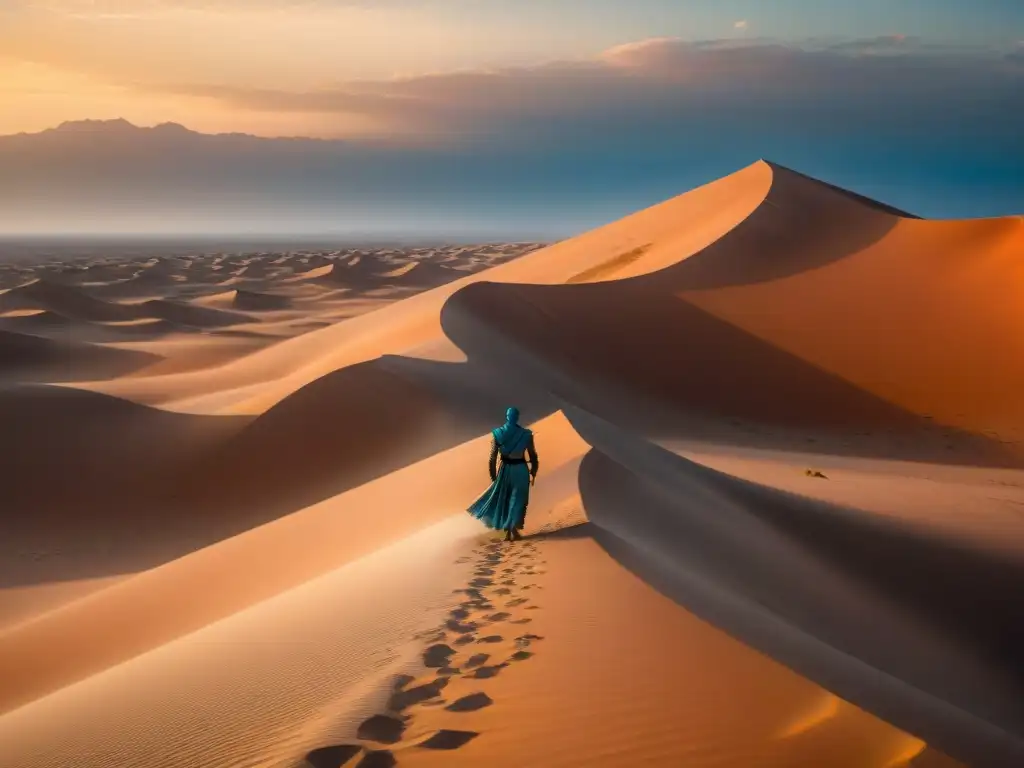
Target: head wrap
point(510, 436)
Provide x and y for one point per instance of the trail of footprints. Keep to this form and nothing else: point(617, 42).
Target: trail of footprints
point(470, 646)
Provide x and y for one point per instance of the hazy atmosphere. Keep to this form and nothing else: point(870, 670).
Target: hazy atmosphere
point(474, 118)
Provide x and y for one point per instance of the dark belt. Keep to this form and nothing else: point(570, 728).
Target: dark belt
point(509, 460)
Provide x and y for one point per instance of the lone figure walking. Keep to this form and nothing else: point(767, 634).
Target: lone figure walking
point(503, 505)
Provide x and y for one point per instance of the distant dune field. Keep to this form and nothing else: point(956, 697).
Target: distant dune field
point(778, 520)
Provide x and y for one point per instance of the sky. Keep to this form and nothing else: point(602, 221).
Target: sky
point(597, 106)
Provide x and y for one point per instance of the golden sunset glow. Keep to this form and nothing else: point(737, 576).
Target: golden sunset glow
point(71, 59)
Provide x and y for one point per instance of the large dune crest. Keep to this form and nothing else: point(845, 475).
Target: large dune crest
point(780, 432)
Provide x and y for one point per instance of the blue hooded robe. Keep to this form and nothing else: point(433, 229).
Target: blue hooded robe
point(503, 505)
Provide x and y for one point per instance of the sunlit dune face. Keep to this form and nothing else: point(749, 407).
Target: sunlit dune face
point(824, 708)
point(905, 752)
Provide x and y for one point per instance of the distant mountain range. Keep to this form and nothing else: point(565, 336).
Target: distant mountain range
point(112, 176)
point(109, 176)
point(121, 129)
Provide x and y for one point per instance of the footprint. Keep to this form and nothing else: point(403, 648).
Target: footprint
point(521, 621)
point(400, 681)
point(481, 582)
point(470, 703)
point(527, 639)
point(477, 660)
point(446, 739)
point(403, 699)
point(465, 639)
point(498, 616)
point(503, 591)
point(491, 639)
point(458, 613)
point(484, 673)
point(332, 757)
point(521, 656)
point(462, 560)
point(517, 601)
point(382, 728)
point(509, 583)
point(437, 655)
point(459, 628)
point(484, 572)
point(378, 758)
point(435, 635)
point(449, 671)
point(532, 608)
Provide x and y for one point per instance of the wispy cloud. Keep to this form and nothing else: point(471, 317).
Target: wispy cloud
point(741, 24)
point(661, 84)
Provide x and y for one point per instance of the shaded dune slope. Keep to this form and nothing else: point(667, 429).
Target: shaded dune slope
point(927, 318)
point(40, 320)
point(146, 282)
point(92, 489)
point(717, 377)
point(770, 567)
point(247, 301)
point(338, 431)
point(349, 427)
point(187, 314)
point(33, 358)
point(252, 301)
point(355, 271)
point(65, 300)
point(101, 448)
point(59, 327)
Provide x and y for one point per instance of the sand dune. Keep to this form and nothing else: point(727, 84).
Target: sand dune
point(252, 301)
point(64, 300)
point(28, 357)
point(34, 319)
point(246, 301)
point(777, 521)
point(188, 315)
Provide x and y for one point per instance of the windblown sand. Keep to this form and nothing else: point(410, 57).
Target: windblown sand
point(779, 519)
